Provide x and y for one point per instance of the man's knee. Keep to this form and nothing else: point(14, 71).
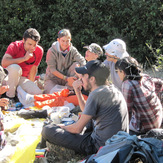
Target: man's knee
point(47, 131)
point(14, 68)
point(44, 131)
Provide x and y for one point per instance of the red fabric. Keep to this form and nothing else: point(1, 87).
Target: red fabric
point(44, 97)
point(56, 99)
point(16, 50)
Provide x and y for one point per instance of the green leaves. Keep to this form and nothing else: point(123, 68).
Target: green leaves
point(136, 22)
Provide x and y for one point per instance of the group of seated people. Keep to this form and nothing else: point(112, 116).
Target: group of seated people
point(113, 93)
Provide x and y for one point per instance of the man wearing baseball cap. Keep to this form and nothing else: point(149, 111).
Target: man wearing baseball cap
point(94, 51)
point(114, 50)
point(105, 106)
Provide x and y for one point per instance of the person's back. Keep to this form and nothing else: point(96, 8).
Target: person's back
point(140, 92)
point(145, 103)
point(108, 108)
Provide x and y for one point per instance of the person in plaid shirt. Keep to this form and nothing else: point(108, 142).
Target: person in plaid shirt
point(141, 94)
point(3, 103)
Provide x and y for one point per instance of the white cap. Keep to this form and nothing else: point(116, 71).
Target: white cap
point(116, 47)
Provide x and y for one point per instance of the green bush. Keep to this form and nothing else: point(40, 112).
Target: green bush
point(137, 22)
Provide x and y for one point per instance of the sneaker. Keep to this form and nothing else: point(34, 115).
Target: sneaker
point(13, 99)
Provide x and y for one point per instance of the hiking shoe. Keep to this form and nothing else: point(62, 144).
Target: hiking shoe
point(13, 100)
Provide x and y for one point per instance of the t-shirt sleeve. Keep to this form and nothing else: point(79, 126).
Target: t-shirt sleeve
point(12, 49)
point(91, 106)
point(39, 55)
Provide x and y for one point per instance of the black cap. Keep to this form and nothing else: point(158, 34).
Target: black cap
point(89, 68)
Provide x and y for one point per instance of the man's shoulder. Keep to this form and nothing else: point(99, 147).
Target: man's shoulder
point(14, 47)
point(16, 43)
point(40, 48)
point(106, 91)
point(100, 90)
point(74, 50)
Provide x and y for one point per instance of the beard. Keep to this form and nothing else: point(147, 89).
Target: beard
point(88, 87)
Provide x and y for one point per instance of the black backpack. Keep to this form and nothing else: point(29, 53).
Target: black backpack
point(124, 148)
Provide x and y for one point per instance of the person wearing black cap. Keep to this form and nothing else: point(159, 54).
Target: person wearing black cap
point(105, 106)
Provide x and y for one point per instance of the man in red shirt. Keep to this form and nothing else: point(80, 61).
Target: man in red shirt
point(22, 59)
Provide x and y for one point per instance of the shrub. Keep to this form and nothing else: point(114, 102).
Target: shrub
point(137, 22)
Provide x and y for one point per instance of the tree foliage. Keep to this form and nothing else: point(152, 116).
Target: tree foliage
point(137, 22)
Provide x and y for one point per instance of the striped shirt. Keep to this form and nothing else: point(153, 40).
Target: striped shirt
point(143, 102)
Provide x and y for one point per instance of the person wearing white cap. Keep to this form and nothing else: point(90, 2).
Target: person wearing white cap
point(114, 50)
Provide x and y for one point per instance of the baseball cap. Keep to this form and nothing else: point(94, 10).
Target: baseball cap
point(3, 74)
point(94, 48)
point(116, 47)
point(89, 68)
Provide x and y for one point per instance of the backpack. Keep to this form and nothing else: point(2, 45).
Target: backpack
point(125, 148)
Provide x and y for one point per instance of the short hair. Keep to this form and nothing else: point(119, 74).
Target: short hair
point(64, 32)
point(101, 75)
point(32, 34)
point(130, 67)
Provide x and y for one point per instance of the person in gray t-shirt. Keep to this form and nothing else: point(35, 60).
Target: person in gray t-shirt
point(105, 106)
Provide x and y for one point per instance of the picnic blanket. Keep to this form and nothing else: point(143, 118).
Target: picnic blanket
point(22, 137)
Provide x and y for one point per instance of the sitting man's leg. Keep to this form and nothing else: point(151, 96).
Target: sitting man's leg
point(82, 144)
point(14, 75)
point(29, 86)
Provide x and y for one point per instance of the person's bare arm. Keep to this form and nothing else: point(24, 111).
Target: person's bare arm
point(33, 73)
point(69, 80)
point(77, 127)
point(77, 85)
point(8, 59)
point(4, 102)
point(3, 89)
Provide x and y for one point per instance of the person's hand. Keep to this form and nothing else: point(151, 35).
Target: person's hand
point(61, 125)
point(28, 55)
point(4, 89)
point(77, 85)
point(4, 102)
point(70, 80)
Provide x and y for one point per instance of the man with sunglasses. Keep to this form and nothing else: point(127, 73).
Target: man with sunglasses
point(22, 59)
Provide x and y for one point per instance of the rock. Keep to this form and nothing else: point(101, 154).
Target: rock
point(60, 154)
